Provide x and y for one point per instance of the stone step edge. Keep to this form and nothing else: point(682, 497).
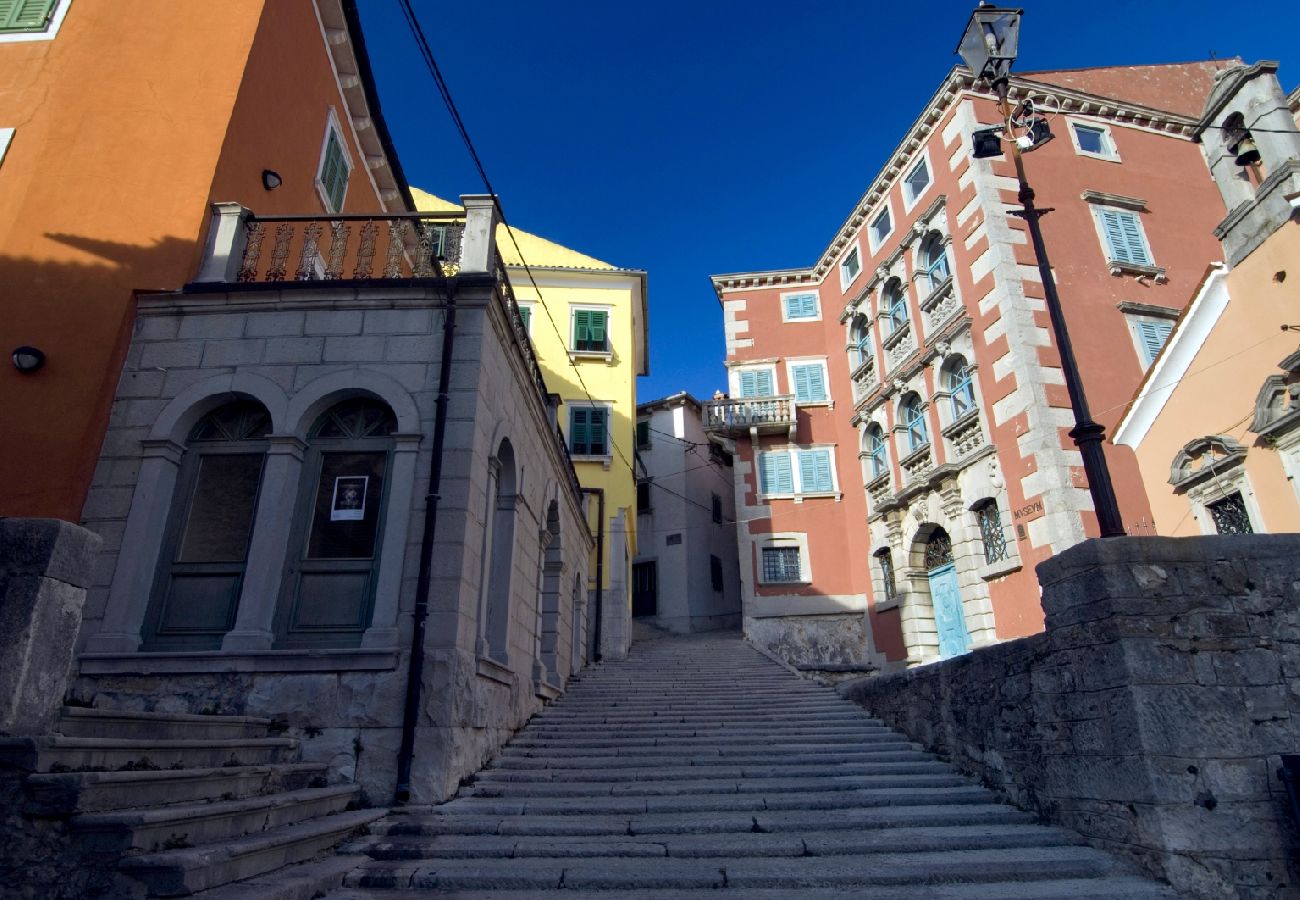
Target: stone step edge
point(154, 816)
point(84, 712)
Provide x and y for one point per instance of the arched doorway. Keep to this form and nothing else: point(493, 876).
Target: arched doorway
point(945, 595)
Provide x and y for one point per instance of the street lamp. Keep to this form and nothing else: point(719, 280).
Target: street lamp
point(989, 48)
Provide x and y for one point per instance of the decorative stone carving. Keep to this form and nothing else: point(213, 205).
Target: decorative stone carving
point(1203, 459)
point(965, 435)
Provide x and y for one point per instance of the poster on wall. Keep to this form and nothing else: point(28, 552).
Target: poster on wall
point(349, 503)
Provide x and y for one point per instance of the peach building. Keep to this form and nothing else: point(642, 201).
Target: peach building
point(897, 408)
point(1216, 423)
point(108, 164)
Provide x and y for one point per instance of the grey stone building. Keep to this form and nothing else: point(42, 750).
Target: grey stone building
point(262, 498)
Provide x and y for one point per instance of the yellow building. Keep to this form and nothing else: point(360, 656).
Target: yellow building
point(587, 320)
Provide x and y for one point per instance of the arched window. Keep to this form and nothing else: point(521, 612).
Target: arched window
point(500, 561)
point(205, 545)
point(894, 306)
point(957, 382)
point(329, 589)
point(913, 412)
point(934, 260)
point(860, 335)
point(889, 587)
point(991, 533)
point(877, 452)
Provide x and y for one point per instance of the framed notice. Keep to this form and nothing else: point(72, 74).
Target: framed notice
point(349, 503)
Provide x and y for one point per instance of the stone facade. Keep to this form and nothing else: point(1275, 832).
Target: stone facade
point(507, 618)
point(1151, 714)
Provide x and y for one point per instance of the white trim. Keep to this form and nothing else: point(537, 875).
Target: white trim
point(1118, 264)
point(1233, 481)
point(910, 203)
point(885, 208)
point(796, 478)
point(1110, 154)
point(1135, 320)
point(733, 377)
point(846, 283)
point(56, 22)
point(815, 317)
point(606, 405)
point(826, 379)
point(574, 352)
point(1175, 359)
point(6, 135)
point(332, 124)
point(786, 539)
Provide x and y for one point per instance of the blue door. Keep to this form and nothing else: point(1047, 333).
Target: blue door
point(945, 597)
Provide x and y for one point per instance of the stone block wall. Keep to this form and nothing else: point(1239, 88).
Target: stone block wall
point(1151, 714)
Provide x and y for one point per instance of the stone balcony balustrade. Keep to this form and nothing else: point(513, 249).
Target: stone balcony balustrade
point(899, 345)
point(940, 306)
point(750, 415)
point(865, 378)
point(965, 436)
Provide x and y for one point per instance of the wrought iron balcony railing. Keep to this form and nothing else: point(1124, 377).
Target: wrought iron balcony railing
point(738, 416)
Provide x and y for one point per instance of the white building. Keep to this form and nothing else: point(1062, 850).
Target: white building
point(685, 576)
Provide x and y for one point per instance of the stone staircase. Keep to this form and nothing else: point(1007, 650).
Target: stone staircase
point(699, 765)
point(181, 804)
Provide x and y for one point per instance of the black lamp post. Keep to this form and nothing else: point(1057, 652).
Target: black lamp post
point(989, 48)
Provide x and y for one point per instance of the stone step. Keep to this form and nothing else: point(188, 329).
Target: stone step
point(1111, 888)
point(689, 778)
point(859, 798)
point(677, 723)
point(617, 873)
point(114, 723)
point(940, 775)
point(57, 753)
point(835, 737)
point(167, 827)
point(712, 768)
point(301, 881)
point(741, 756)
point(186, 870)
point(887, 817)
point(703, 846)
point(64, 794)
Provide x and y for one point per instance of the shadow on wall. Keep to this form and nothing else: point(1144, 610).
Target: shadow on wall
point(79, 314)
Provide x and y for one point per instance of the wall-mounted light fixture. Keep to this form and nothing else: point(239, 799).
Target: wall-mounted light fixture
point(271, 179)
point(27, 359)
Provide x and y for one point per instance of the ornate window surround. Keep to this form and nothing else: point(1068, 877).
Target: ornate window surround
point(1277, 417)
point(1224, 474)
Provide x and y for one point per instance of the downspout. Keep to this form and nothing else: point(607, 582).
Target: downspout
point(600, 565)
point(410, 712)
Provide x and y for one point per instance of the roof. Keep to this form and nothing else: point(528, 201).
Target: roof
point(1173, 87)
point(538, 251)
point(680, 398)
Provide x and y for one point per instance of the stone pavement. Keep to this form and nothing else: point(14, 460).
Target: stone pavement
point(697, 764)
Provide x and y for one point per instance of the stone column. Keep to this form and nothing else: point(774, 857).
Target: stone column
point(481, 646)
point(223, 255)
point(45, 567)
point(137, 560)
point(382, 632)
point(478, 248)
point(268, 547)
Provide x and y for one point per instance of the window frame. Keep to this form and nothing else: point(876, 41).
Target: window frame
point(853, 253)
point(793, 456)
point(877, 451)
point(643, 441)
point(874, 239)
point(608, 409)
point(914, 425)
point(792, 364)
point(53, 22)
point(1136, 319)
point(335, 129)
point(608, 312)
point(895, 289)
point(716, 574)
point(1109, 154)
point(934, 239)
point(784, 540)
point(717, 508)
point(644, 484)
point(816, 314)
point(910, 198)
point(526, 313)
point(6, 137)
point(888, 579)
point(1099, 211)
point(963, 386)
point(735, 376)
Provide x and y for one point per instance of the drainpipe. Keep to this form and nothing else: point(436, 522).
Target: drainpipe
point(414, 675)
point(600, 565)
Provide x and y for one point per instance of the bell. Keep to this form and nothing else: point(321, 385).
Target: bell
point(1247, 152)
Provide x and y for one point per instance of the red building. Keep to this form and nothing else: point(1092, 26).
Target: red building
point(898, 409)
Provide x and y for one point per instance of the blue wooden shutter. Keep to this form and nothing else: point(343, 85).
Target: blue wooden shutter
point(1153, 336)
point(815, 471)
point(809, 383)
point(1134, 243)
point(748, 384)
point(801, 306)
point(763, 383)
point(1114, 235)
point(578, 431)
point(775, 476)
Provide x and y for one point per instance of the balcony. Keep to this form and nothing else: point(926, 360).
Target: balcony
point(750, 415)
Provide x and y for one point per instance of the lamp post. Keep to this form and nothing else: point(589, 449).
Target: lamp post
point(988, 48)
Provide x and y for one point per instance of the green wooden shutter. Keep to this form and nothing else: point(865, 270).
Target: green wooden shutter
point(525, 315)
point(25, 15)
point(642, 435)
point(597, 432)
point(334, 172)
point(597, 330)
point(578, 431)
point(581, 325)
point(1153, 336)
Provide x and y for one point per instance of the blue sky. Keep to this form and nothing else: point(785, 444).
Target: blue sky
point(690, 139)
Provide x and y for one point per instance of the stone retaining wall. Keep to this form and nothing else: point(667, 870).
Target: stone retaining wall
point(1151, 714)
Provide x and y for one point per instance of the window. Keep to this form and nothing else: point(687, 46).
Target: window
point(850, 267)
point(643, 435)
point(809, 380)
point(800, 307)
point(877, 453)
point(887, 582)
point(860, 336)
point(914, 423)
point(797, 472)
point(335, 167)
point(717, 509)
point(589, 431)
point(881, 226)
point(916, 182)
point(1229, 515)
point(643, 497)
point(715, 573)
point(781, 564)
point(895, 306)
point(991, 533)
point(6, 135)
point(673, 539)
point(756, 383)
point(957, 382)
point(30, 20)
point(934, 259)
point(1121, 230)
point(526, 316)
point(720, 456)
point(1093, 140)
point(591, 331)
point(1151, 335)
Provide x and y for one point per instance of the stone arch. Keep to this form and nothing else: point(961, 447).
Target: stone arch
point(499, 560)
point(196, 401)
point(315, 397)
point(926, 576)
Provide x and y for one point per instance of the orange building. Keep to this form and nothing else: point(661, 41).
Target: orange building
point(109, 162)
point(1216, 423)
